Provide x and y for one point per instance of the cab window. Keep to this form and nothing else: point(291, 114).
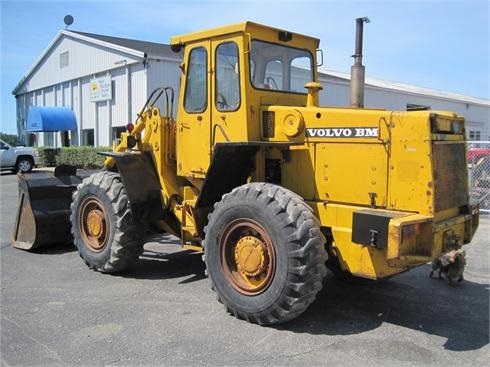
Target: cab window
point(227, 96)
point(195, 98)
point(277, 67)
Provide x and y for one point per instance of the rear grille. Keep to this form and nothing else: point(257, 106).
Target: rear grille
point(450, 175)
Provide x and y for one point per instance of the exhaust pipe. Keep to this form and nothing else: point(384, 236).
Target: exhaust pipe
point(357, 73)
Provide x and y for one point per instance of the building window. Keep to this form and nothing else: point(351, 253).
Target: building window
point(116, 133)
point(417, 107)
point(88, 137)
point(49, 139)
point(64, 59)
point(475, 135)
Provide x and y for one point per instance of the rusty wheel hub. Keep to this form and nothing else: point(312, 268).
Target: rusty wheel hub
point(93, 223)
point(247, 256)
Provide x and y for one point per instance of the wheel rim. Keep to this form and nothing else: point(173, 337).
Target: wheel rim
point(93, 224)
point(24, 165)
point(247, 256)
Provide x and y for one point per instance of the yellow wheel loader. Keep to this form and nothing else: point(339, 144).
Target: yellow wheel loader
point(271, 187)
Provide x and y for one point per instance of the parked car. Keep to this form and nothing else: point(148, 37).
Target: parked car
point(18, 158)
point(474, 154)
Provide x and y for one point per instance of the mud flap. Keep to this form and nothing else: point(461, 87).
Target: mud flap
point(43, 214)
point(140, 179)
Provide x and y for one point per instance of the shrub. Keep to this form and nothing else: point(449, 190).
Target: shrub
point(82, 157)
point(9, 138)
point(48, 156)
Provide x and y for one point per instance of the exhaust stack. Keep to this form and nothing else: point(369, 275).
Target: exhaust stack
point(357, 75)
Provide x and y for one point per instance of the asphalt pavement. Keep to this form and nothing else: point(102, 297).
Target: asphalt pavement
point(57, 312)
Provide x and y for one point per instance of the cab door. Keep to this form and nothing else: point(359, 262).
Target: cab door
point(211, 106)
point(194, 117)
point(229, 123)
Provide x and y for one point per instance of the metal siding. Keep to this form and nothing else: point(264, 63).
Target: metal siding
point(102, 124)
point(75, 106)
point(39, 98)
point(84, 59)
point(74, 99)
point(58, 95)
point(164, 74)
point(66, 95)
point(138, 90)
point(334, 93)
point(49, 97)
point(87, 106)
point(119, 103)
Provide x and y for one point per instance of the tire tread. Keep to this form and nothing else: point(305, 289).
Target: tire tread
point(305, 246)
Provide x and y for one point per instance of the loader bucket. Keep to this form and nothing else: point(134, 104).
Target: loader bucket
point(43, 215)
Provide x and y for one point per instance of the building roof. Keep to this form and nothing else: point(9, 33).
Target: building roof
point(151, 49)
point(407, 88)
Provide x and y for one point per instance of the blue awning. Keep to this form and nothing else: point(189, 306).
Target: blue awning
point(51, 119)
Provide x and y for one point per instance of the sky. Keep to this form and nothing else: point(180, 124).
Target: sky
point(437, 44)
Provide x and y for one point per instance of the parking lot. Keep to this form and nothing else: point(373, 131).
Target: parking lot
point(57, 312)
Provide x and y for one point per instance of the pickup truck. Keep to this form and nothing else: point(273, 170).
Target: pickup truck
point(18, 158)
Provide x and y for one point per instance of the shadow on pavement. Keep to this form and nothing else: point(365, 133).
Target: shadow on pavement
point(168, 265)
point(460, 314)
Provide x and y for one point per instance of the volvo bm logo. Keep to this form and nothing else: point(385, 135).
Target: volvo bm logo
point(343, 132)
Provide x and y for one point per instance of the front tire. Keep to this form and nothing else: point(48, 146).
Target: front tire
point(24, 164)
point(105, 233)
point(264, 253)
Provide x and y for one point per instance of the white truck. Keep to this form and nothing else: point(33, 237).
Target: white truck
point(18, 158)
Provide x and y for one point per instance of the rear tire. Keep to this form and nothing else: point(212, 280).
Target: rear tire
point(264, 253)
point(105, 233)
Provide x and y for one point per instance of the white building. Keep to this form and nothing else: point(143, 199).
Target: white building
point(400, 97)
point(106, 80)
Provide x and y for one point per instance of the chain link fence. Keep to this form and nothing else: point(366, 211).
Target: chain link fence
point(478, 157)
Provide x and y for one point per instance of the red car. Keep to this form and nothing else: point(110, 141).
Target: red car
point(474, 154)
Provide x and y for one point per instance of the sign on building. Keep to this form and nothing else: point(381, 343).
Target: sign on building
point(101, 89)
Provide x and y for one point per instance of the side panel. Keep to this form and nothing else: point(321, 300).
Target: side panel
point(352, 173)
point(410, 175)
point(298, 170)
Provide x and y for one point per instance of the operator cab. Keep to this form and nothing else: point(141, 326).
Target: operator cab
point(230, 75)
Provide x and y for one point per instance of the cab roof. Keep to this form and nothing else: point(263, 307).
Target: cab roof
point(255, 29)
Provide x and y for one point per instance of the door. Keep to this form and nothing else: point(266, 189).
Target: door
point(229, 122)
point(211, 107)
point(7, 155)
point(194, 118)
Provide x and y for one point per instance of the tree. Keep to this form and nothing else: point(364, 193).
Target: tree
point(9, 138)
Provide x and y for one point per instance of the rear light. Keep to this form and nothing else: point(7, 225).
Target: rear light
point(130, 127)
